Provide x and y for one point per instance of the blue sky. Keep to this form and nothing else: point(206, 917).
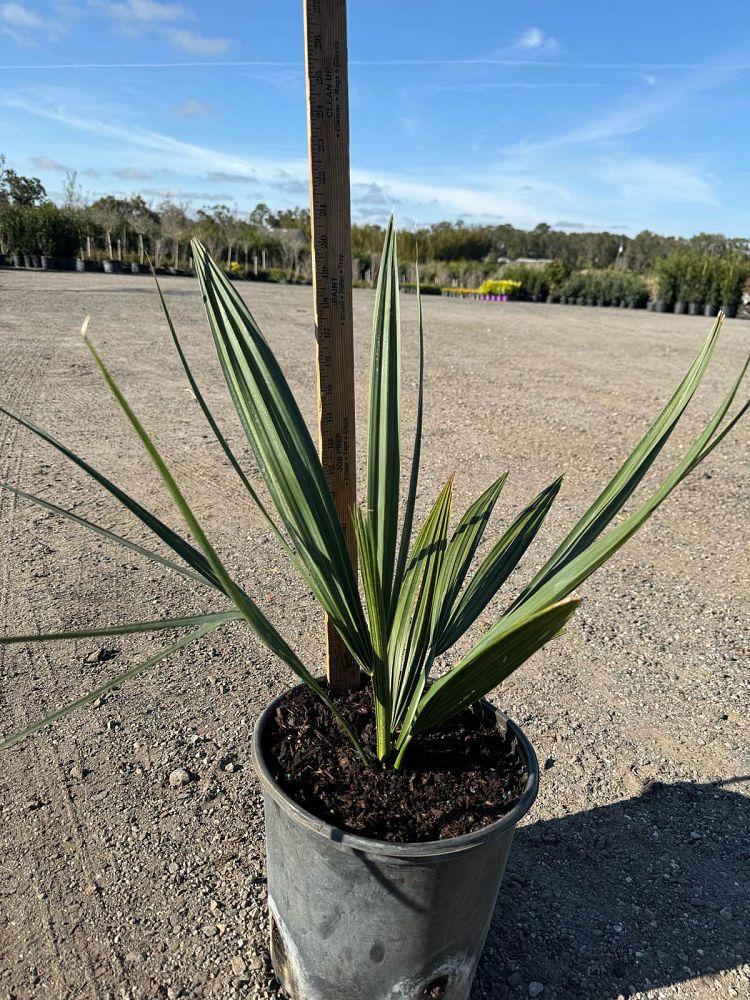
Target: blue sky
point(585, 116)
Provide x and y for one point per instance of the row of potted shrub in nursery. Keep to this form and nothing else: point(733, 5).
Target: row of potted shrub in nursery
point(602, 288)
point(42, 236)
point(701, 283)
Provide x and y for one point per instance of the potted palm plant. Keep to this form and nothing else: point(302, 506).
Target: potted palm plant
point(390, 810)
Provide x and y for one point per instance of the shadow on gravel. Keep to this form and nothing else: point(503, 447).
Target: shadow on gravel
point(640, 894)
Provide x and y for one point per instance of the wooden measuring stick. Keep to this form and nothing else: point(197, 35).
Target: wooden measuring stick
point(328, 144)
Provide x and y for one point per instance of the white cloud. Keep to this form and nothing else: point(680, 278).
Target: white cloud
point(584, 187)
point(164, 150)
point(142, 11)
point(648, 181)
point(19, 17)
point(197, 45)
point(23, 25)
point(193, 108)
point(45, 163)
point(134, 17)
point(133, 174)
point(221, 177)
point(535, 40)
point(633, 114)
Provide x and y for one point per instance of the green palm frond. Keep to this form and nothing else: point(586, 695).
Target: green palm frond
point(384, 441)
point(114, 682)
point(285, 453)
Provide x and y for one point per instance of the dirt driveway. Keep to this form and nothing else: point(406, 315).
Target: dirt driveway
point(630, 876)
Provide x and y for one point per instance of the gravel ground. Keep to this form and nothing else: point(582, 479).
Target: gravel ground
point(630, 875)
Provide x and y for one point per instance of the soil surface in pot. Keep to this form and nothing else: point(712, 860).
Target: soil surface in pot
point(457, 778)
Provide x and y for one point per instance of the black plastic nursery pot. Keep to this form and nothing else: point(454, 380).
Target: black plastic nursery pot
point(710, 310)
point(729, 311)
point(680, 308)
point(694, 308)
point(353, 918)
point(49, 263)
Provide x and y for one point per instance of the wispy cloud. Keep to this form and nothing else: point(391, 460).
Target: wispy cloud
point(164, 149)
point(141, 12)
point(193, 108)
point(169, 20)
point(289, 182)
point(220, 177)
point(24, 26)
point(197, 45)
point(188, 195)
point(585, 190)
point(45, 163)
point(650, 181)
point(633, 114)
point(372, 197)
point(535, 40)
point(133, 174)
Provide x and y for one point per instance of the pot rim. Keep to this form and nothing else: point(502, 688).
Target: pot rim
point(399, 849)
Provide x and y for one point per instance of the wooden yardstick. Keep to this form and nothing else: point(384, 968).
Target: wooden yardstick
point(328, 144)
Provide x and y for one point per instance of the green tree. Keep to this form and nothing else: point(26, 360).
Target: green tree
point(19, 190)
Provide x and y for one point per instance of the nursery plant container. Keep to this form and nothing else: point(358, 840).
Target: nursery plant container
point(353, 918)
point(81, 265)
point(36, 260)
point(710, 310)
point(661, 306)
point(729, 311)
point(27, 261)
point(694, 308)
point(18, 260)
point(680, 308)
point(49, 263)
point(112, 266)
point(2, 260)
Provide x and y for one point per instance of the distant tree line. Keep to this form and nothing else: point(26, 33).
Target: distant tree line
point(130, 229)
point(276, 245)
point(453, 251)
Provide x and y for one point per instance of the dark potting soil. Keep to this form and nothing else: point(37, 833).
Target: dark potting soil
point(457, 778)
